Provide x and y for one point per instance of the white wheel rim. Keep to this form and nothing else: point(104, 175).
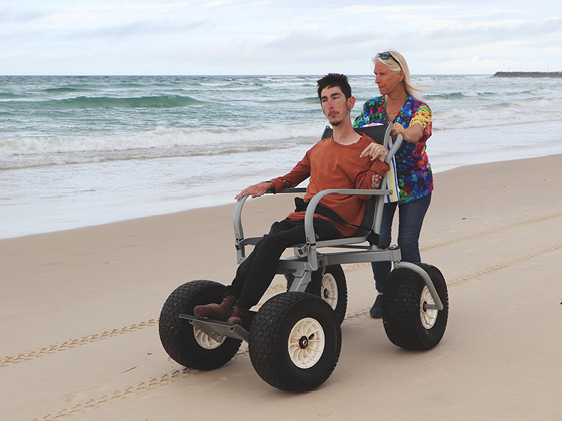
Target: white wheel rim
point(329, 290)
point(204, 340)
point(428, 316)
point(306, 343)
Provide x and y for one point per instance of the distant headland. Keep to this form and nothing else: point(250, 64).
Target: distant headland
point(528, 74)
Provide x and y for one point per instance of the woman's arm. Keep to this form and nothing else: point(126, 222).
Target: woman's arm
point(411, 134)
point(419, 127)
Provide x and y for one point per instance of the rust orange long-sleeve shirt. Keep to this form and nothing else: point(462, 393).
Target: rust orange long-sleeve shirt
point(331, 165)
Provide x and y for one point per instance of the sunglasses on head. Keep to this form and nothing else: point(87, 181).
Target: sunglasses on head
point(386, 55)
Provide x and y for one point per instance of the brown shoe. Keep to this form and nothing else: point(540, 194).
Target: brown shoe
point(216, 311)
point(238, 315)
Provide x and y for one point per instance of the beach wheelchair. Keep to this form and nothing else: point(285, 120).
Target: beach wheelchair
point(294, 339)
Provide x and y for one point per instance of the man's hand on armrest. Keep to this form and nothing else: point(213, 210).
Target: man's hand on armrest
point(256, 190)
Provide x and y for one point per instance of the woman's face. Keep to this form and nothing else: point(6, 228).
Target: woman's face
point(388, 80)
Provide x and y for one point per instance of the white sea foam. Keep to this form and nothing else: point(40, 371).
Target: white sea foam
point(160, 142)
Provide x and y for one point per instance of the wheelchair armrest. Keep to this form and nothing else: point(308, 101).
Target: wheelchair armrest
point(240, 242)
point(290, 190)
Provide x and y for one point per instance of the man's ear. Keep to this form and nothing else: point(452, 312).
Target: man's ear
point(351, 102)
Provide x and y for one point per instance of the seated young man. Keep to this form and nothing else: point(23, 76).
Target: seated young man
point(346, 160)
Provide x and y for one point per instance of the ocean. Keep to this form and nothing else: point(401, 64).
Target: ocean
point(87, 150)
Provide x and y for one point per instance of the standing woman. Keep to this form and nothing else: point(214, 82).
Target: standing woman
point(412, 119)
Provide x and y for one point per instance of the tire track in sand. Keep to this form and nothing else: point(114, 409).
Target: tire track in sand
point(360, 266)
point(136, 389)
point(168, 378)
point(72, 343)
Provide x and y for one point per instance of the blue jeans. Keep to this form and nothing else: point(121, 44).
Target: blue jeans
point(410, 220)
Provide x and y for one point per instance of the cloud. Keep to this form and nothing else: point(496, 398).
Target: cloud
point(494, 32)
point(490, 66)
point(16, 16)
point(315, 39)
point(137, 28)
point(267, 37)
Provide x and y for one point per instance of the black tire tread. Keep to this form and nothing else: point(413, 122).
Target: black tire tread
point(269, 335)
point(401, 309)
point(176, 334)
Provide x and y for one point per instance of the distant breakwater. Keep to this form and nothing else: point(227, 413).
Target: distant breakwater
point(528, 74)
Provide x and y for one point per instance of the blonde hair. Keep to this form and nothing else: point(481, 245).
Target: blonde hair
point(396, 66)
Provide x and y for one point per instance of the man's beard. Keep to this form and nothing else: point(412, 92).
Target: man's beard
point(337, 122)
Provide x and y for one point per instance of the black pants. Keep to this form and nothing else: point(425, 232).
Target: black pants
point(255, 274)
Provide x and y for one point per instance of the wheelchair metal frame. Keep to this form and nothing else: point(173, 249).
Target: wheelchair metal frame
point(307, 258)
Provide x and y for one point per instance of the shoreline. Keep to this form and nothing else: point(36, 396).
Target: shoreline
point(218, 202)
point(80, 314)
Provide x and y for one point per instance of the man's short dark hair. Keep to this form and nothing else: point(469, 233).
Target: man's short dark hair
point(332, 80)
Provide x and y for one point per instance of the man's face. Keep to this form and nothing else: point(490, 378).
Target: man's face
point(335, 106)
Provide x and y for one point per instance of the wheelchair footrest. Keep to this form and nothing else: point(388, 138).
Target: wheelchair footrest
point(216, 329)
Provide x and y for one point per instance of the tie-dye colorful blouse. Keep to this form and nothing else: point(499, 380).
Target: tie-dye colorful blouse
point(415, 177)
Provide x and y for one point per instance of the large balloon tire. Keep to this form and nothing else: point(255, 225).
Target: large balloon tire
point(184, 343)
point(330, 287)
point(294, 341)
point(408, 324)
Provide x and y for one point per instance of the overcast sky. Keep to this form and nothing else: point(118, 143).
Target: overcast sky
point(245, 37)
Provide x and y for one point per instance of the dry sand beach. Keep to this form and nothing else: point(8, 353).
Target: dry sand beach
point(79, 311)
